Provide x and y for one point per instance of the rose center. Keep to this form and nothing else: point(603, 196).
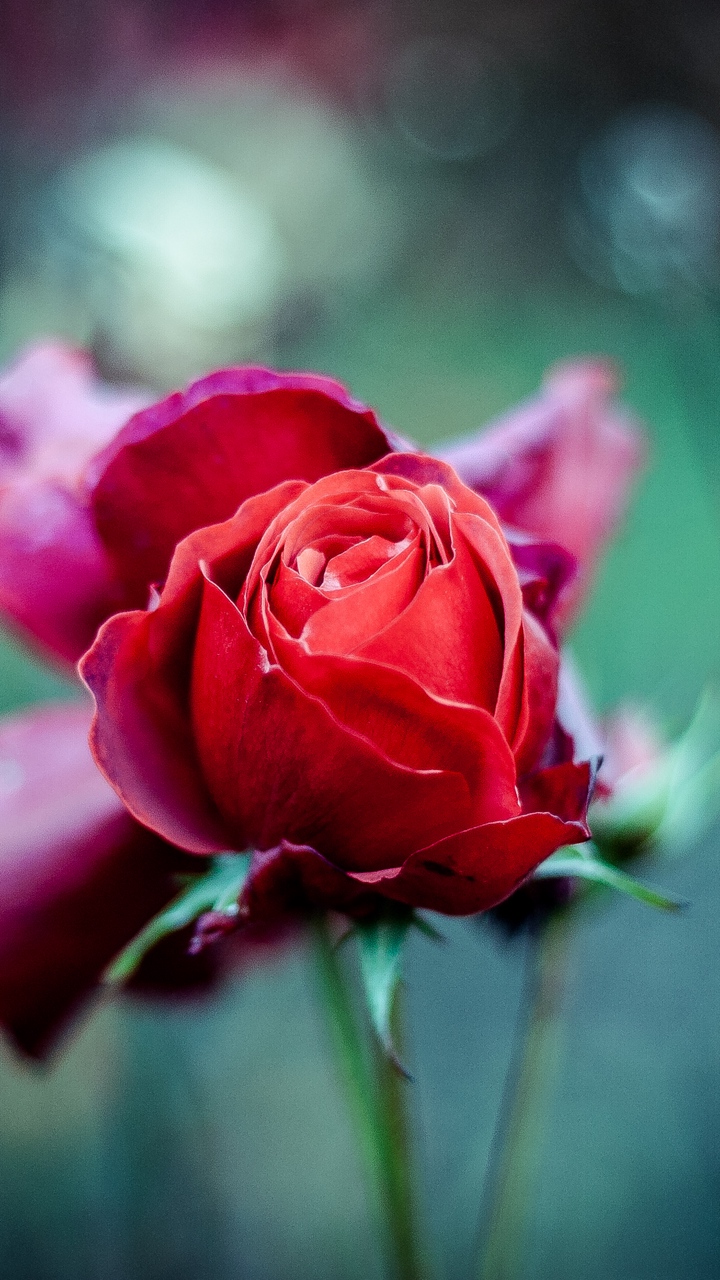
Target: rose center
point(332, 568)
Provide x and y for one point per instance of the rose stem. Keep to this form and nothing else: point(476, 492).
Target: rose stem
point(378, 1110)
point(519, 1131)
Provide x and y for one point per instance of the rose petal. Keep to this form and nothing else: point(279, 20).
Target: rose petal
point(412, 727)
point(462, 662)
point(546, 572)
point(349, 620)
point(191, 460)
point(139, 669)
point(291, 879)
point(563, 789)
point(474, 870)
point(541, 663)
point(54, 414)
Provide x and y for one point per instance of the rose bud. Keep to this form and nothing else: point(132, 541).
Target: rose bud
point(345, 676)
point(79, 879)
point(560, 466)
point(84, 533)
point(661, 796)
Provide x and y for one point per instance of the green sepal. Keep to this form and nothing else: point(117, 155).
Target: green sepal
point(423, 925)
point(217, 889)
point(586, 866)
point(381, 941)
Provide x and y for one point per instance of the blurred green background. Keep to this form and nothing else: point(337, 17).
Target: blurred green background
point(432, 206)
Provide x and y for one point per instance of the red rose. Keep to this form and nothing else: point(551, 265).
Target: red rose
point(346, 673)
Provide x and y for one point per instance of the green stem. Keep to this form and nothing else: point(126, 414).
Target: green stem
point(518, 1138)
point(393, 1097)
point(377, 1103)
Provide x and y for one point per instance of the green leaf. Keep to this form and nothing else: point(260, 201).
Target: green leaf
point(568, 863)
point(381, 943)
point(217, 889)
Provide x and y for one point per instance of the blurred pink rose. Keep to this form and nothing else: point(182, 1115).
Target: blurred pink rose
point(55, 579)
point(559, 467)
point(78, 876)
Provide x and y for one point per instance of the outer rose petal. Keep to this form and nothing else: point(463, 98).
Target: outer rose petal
point(139, 670)
point(464, 874)
point(476, 869)
point(540, 689)
point(292, 878)
point(560, 467)
point(78, 878)
point(192, 459)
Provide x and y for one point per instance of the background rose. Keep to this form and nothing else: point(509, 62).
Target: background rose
point(347, 667)
point(56, 584)
point(560, 466)
point(78, 876)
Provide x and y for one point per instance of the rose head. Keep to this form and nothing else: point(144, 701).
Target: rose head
point(346, 677)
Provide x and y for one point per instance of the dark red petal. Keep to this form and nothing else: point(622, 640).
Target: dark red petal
point(280, 766)
point(546, 572)
point(541, 663)
point(293, 879)
point(194, 458)
point(476, 869)
point(56, 581)
point(141, 738)
point(563, 789)
point(78, 877)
